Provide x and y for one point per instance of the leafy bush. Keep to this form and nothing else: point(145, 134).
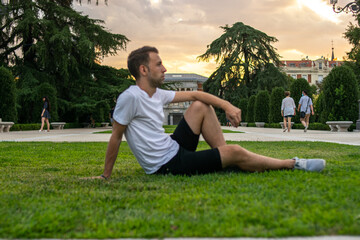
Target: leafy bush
point(261, 108)
point(25, 127)
point(36, 126)
point(250, 109)
point(312, 126)
point(319, 108)
point(341, 95)
point(243, 106)
point(7, 96)
point(251, 124)
point(276, 98)
point(272, 125)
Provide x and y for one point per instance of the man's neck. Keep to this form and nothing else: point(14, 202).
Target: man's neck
point(145, 86)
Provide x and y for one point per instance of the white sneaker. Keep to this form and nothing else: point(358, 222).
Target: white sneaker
point(312, 165)
point(285, 129)
point(305, 129)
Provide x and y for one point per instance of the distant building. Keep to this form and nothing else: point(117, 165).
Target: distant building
point(182, 82)
point(313, 71)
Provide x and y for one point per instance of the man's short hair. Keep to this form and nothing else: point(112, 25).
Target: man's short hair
point(287, 93)
point(305, 92)
point(139, 57)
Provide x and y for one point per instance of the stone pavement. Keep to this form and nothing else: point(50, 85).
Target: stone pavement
point(249, 134)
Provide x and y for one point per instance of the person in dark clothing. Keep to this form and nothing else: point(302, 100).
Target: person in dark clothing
point(45, 114)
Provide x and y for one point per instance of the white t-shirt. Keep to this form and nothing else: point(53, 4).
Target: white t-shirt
point(288, 105)
point(144, 117)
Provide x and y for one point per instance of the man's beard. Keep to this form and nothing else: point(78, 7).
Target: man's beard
point(155, 83)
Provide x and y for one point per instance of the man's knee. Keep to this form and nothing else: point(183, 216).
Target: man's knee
point(232, 154)
point(199, 106)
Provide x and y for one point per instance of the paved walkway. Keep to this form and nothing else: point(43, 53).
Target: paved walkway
point(249, 134)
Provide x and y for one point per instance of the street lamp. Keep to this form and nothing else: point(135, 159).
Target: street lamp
point(353, 7)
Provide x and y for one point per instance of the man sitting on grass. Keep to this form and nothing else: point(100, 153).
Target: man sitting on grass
point(139, 115)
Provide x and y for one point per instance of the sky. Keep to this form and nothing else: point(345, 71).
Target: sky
point(182, 29)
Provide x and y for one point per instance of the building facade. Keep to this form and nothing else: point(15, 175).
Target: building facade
point(313, 71)
point(181, 82)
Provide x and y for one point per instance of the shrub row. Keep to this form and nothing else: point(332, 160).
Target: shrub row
point(312, 126)
point(36, 126)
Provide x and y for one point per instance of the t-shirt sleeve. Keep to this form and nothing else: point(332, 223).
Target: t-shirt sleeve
point(125, 108)
point(166, 96)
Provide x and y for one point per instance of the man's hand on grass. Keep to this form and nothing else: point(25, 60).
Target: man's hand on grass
point(94, 177)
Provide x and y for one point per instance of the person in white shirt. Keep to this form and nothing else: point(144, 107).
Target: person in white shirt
point(288, 110)
point(139, 115)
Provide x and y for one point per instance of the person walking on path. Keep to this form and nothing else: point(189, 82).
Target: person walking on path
point(45, 114)
point(305, 108)
point(139, 115)
point(288, 110)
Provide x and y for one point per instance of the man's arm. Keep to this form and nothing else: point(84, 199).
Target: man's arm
point(312, 109)
point(232, 113)
point(113, 149)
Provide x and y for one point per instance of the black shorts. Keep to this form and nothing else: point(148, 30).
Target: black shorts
point(187, 161)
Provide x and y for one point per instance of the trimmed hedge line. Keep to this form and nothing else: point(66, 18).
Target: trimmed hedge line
point(312, 126)
point(25, 127)
point(36, 126)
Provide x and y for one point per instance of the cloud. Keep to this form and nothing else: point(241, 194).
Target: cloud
point(182, 29)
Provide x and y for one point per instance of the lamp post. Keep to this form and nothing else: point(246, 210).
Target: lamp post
point(353, 7)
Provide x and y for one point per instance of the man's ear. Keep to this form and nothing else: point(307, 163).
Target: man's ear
point(143, 70)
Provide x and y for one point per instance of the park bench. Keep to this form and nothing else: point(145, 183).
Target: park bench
point(58, 125)
point(244, 124)
point(260, 124)
point(104, 124)
point(339, 126)
point(5, 126)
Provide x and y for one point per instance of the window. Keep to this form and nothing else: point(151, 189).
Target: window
point(293, 76)
point(320, 65)
point(320, 78)
point(292, 65)
point(305, 76)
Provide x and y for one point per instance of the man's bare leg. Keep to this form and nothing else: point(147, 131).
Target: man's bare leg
point(202, 119)
point(234, 155)
point(289, 123)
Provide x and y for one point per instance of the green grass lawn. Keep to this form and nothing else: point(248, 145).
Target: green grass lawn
point(42, 195)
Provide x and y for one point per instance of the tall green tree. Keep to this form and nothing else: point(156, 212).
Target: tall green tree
point(269, 78)
point(243, 106)
point(276, 97)
point(341, 95)
point(250, 114)
point(7, 95)
point(240, 51)
point(352, 34)
point(49, 42)
point(262, 106)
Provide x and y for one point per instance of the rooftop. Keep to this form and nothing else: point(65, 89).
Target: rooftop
point(184, 77)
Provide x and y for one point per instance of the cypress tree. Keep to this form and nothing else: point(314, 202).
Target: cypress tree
point(7, 95)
